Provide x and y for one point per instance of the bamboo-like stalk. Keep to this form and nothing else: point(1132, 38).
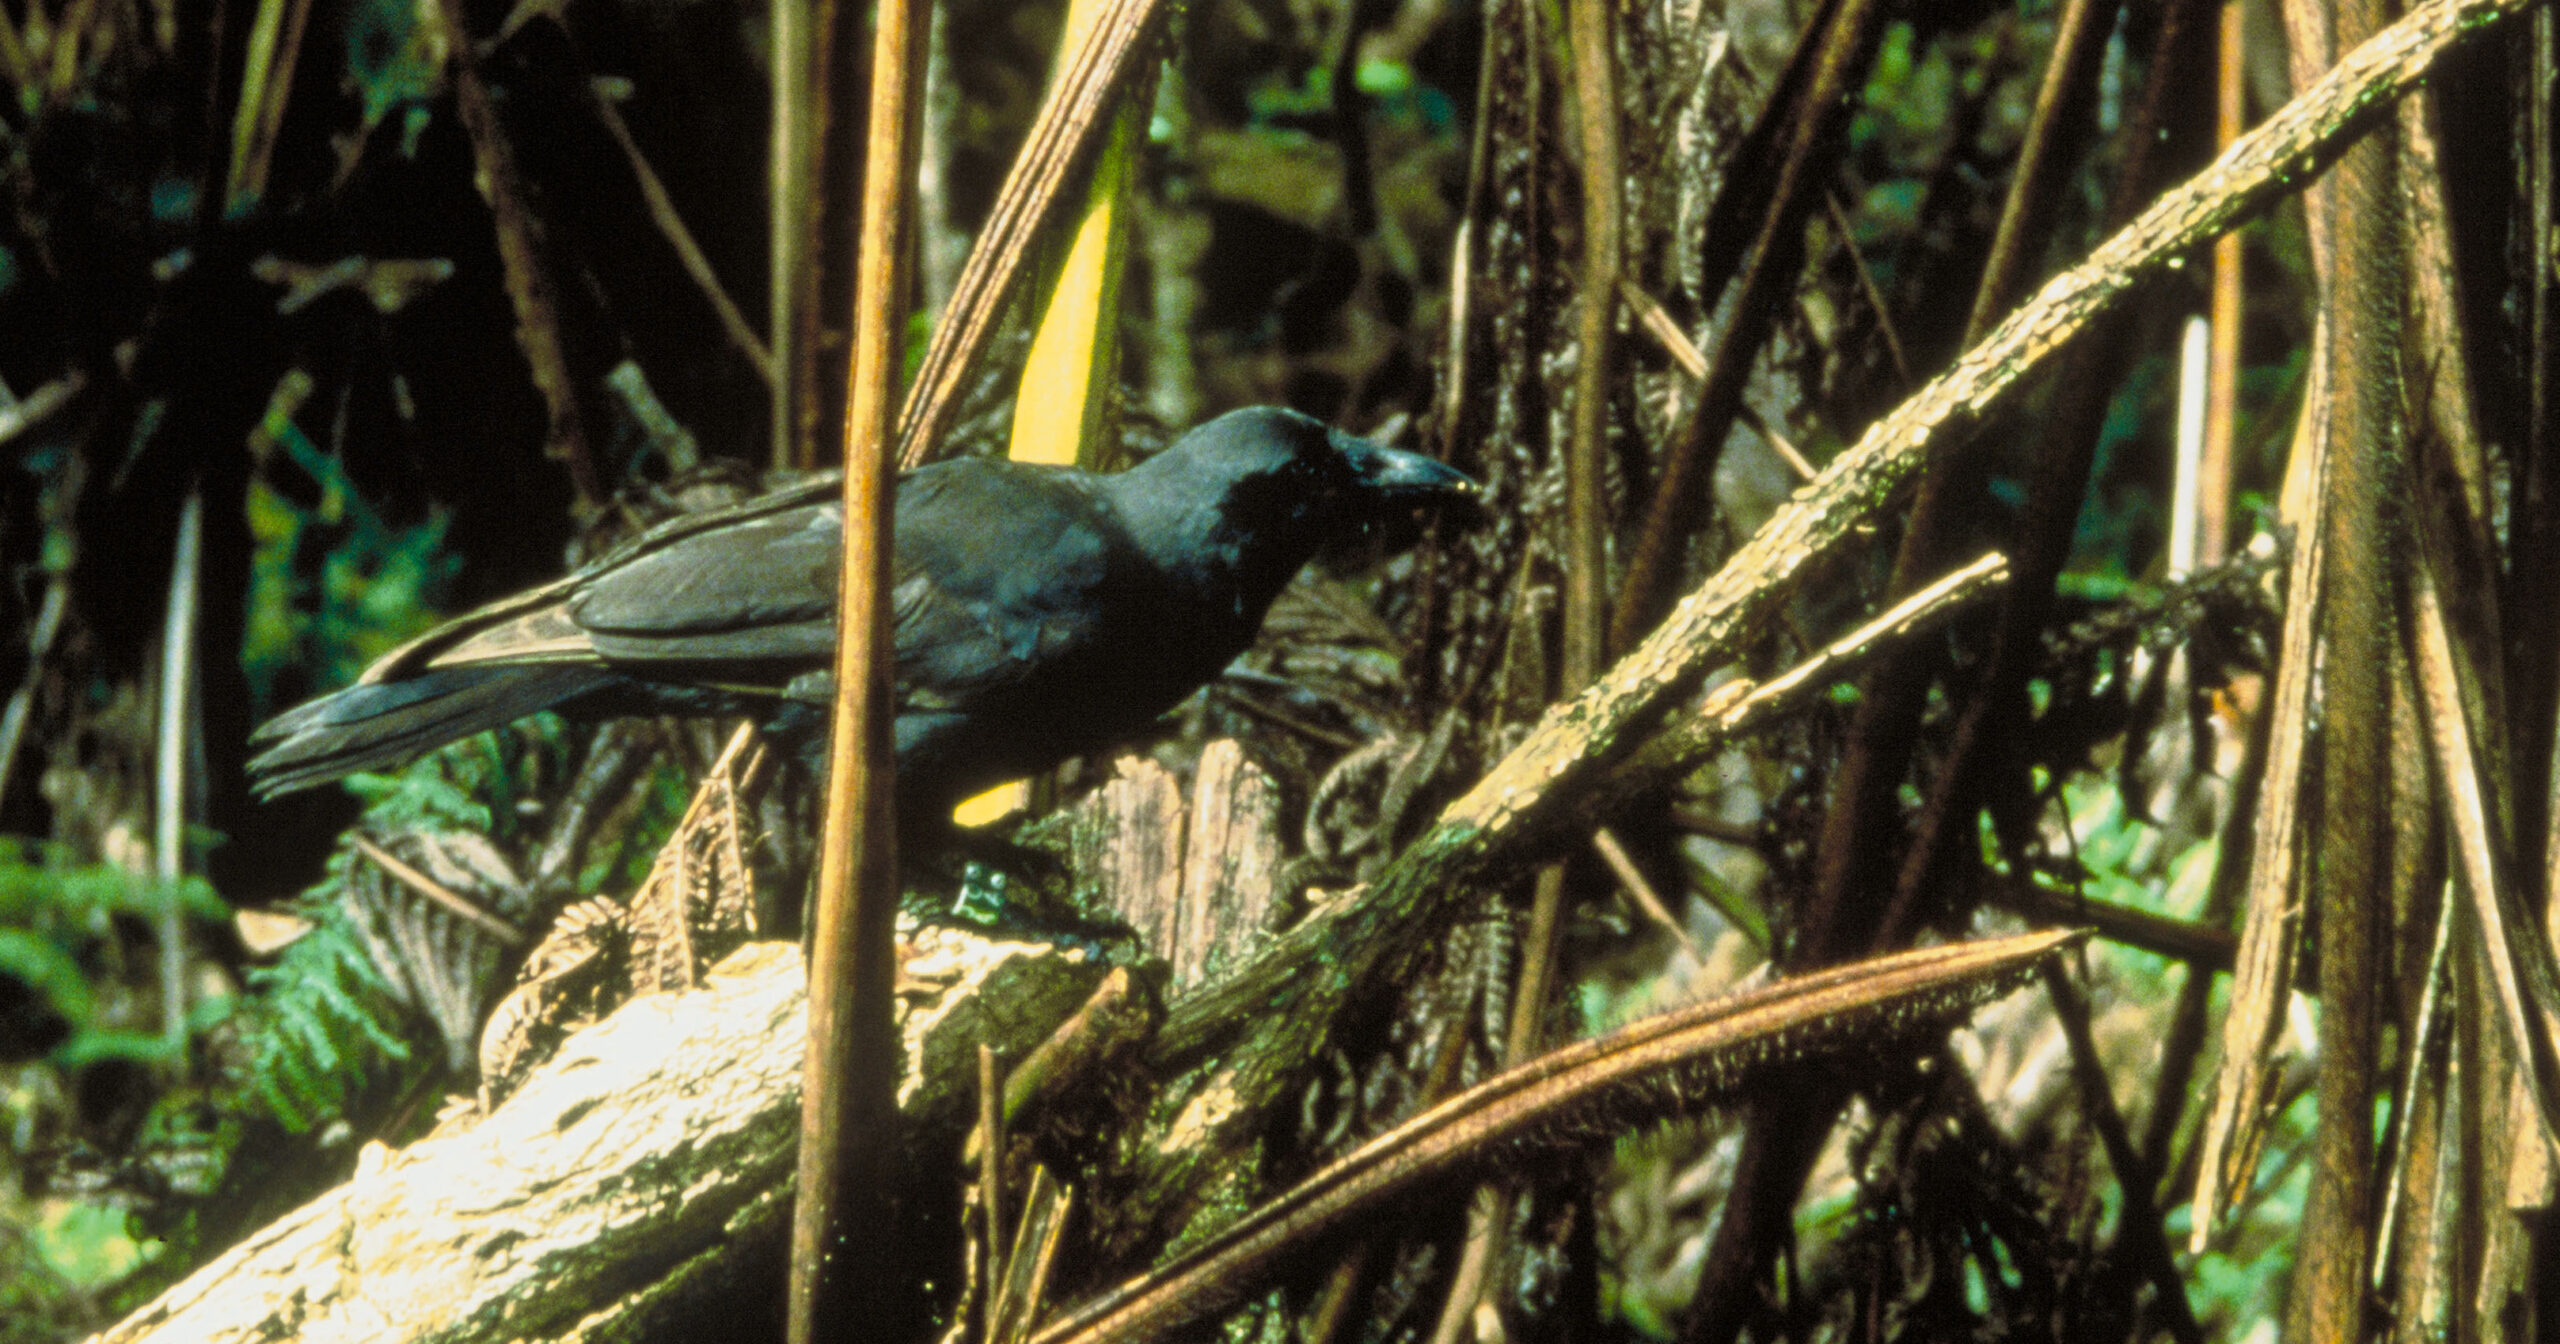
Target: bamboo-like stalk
point(169, 776)
point(2222, 411)
point(843, 1239)
point(1595, 87)
point(792, 190)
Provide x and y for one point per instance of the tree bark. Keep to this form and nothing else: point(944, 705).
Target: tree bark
point(647, 1160)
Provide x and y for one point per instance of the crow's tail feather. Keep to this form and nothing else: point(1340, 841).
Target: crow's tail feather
point(381, 725)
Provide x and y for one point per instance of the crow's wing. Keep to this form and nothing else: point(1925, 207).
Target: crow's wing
point(996, 572)
point(760, 590)
point(1000, 573)
point(1004, 592)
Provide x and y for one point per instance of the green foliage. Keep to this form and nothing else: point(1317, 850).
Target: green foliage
point(48, 969)
point(395, 60)
point(68, 933)
point(326, 1025)
point(57, 923)
point(88, 1245)
point(326, 1021)
point(40, 888)
point(1900, 124)
point(376, 584)
point(1275, 98)
point(37, 1298)
point(2242, 1277)
point(1392, 89)
point(2124, 860)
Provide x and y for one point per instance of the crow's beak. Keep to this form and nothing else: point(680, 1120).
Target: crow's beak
point(1400, 477)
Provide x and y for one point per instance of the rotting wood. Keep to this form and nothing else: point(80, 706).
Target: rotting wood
point(1126, 840)
point(1197, 878)
point(658, 1136)
point(1230, 862)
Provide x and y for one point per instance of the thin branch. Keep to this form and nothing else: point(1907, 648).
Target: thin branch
point(2271, 932)
point(662, 212)
point(172, 742)
point(438, 892)
point(278, 89)
point(2138, 1225)
point(990, 1136)
point(2059, 123)
point(1640, 889)
point(2517, 950)
point(1586, 562)
point(2204, 948)
point(801, 61)
point(1689, 465)
point(844, 1237)
point(1868, 287)
point(1657, 323)
point(528, 281)
point(40, 639)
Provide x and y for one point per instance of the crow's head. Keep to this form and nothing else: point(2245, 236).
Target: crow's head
point(1282, 485)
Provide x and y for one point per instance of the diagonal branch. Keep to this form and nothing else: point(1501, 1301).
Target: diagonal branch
point(1672, 1063)
point(1297, 985)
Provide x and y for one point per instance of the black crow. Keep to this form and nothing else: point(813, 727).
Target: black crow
point(1040, 612)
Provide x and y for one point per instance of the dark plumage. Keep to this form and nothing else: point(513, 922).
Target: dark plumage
point(1040, 612)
